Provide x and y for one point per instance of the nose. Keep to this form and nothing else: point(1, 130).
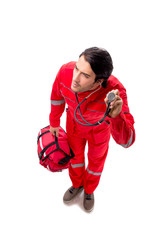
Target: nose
point(76, 76)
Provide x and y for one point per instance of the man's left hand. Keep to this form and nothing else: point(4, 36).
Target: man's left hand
point(116, 105)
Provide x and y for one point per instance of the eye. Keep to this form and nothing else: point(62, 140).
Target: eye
point(76, 67)
point(86, 75)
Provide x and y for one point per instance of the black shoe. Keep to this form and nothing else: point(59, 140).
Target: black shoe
point(71, 193)
point(88, 202)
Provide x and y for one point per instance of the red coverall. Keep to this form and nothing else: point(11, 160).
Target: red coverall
point(98, 137)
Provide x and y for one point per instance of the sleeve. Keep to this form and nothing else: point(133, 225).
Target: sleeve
point(122, 126)
point(57, 102)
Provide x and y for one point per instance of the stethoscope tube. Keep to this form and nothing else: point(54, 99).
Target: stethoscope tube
point(110, 96)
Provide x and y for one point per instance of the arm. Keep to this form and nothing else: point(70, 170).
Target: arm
point(57, 105)
point(121, 120)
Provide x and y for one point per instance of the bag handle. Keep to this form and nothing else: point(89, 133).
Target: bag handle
point(63, 160)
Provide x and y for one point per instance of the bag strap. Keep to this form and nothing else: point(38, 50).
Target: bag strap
point(67, 158)
point(48, 155)
point(44, 149)
point(42, 135)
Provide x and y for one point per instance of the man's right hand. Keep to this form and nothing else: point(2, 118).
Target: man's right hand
point(54, 131)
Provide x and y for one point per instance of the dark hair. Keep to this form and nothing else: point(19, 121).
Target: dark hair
point(100, 62)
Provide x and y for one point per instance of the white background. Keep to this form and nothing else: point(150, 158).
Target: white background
point(37, 37)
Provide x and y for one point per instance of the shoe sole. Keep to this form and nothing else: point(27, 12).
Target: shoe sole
point(89, 210)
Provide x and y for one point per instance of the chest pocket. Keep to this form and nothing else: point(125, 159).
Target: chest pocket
point(97, 106)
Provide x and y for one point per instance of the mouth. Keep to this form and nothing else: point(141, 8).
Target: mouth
point(74, 84)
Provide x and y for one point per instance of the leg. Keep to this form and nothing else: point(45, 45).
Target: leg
point(97, 153)
point(77, 168)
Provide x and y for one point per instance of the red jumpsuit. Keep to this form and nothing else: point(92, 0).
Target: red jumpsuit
point(93, 109)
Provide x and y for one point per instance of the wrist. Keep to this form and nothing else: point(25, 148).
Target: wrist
point(119, 116)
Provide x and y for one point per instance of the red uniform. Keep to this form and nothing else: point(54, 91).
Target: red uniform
point(98, 137)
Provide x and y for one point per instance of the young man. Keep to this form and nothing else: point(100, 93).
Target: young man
point(90, 77)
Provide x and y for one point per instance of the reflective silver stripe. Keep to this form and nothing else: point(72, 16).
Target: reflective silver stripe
point(94, 110)
point(66, 97)
point(67, 87)
point(129, 142)
point(93, 173)
point(77, 165)
point(59, 102)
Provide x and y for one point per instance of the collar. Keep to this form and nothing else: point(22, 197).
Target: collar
point(92, 94)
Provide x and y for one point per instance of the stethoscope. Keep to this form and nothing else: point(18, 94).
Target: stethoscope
point(110, 96)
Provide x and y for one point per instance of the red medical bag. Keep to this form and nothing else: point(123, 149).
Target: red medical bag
point(54, 153)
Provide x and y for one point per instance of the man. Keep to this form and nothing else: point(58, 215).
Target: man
point(90, 77)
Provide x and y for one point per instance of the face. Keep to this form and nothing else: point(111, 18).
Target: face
point(83, 77)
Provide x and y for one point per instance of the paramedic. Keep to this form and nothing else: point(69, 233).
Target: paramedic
point(90, 77)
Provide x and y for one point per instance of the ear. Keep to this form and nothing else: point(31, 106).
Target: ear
point(100, 81)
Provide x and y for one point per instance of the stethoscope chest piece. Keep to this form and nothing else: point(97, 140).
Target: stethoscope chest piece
point(111, 96)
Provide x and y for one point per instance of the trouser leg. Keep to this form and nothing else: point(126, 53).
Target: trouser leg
point(77, 168)
point(97, 154)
